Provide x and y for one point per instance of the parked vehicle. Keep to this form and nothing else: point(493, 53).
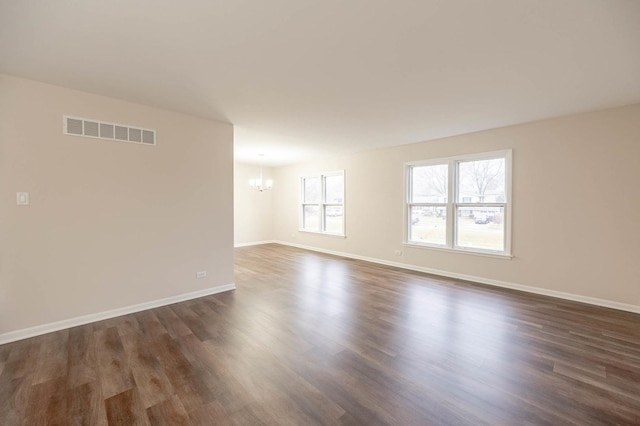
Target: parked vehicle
point(482, 219)
point(334, 211)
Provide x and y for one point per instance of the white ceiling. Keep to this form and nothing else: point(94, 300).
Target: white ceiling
point(306, 78)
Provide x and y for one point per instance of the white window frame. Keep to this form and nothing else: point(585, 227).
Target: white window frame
point(452, 205)
point(322, 204)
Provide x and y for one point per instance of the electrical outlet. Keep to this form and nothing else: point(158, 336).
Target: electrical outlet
point(22, 198)
point(398, 252)
point(201, 274)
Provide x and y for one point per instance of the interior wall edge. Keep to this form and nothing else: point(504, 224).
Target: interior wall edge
point(477, 279)
point(38, 330)
point(254, 243)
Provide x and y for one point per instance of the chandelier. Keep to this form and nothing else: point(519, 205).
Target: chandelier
point(260, 184)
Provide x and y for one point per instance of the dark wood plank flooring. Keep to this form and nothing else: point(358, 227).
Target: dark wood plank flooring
point(313, 339)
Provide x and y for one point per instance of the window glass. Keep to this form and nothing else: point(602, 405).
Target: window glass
point(311, 218)
point(482, 181)
point(428, 224)
point(333, 219)
point(311, 190)
point(481, 228)
point(429, 184)
point(334, 189)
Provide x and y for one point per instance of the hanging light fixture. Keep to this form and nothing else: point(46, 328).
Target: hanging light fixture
point(260, 184)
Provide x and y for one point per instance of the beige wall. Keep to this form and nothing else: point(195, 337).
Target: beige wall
point(253, 214)
point(576, 205)
point(110, 224)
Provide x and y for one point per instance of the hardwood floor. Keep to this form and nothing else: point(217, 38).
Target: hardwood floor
point(313, 339)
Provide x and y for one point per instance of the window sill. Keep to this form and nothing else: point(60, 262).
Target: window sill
point(325, 234)
point(494, 255)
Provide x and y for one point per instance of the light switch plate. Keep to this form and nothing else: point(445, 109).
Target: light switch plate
point(22, 198)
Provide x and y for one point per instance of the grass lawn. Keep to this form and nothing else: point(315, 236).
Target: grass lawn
point(431, 229)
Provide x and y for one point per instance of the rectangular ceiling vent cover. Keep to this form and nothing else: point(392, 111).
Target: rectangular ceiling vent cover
point(101, 130)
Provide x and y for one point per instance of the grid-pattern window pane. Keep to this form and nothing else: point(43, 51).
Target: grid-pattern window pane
point(311, 190)
point(460, 203)
point(333, 219)
point(428, 225)
point(484, 229)
point(428, 194)
point(333, 189)
point(482, 181)
point(322, 206)
point(429, 184)
point(311, 218)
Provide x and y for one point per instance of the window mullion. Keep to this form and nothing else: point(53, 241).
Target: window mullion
point(451, 191)
point(323, 196)
point(408, 203)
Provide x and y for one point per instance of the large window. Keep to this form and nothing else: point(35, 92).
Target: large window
point(322, 206)
point(461, 203)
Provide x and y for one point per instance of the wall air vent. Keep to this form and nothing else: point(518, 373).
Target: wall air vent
point(101, 130)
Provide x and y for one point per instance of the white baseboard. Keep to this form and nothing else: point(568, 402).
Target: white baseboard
point(529, 289)
point(254, 243)
point(25, 333)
